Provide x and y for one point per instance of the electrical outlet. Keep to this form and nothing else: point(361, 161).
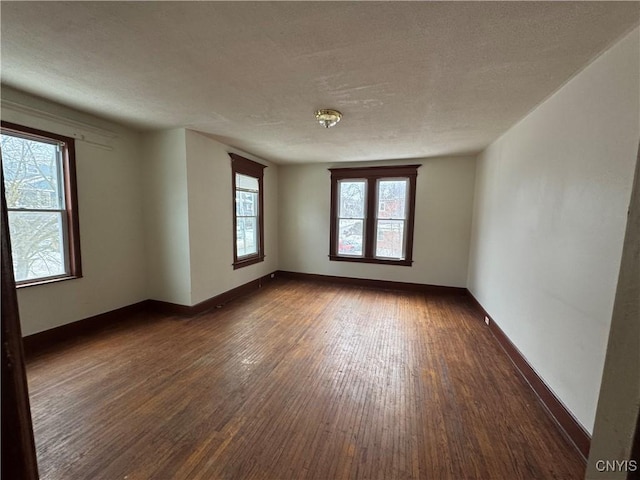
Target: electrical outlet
point(486, 320)
point(273, 275)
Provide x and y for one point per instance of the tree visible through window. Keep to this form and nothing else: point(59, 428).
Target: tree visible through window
point(351, 217)
point(372, 214)
point(39, 179)
point(391, 218)
point(248, 245)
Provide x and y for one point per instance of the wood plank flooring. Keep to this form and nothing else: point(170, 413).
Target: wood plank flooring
point(301, 380)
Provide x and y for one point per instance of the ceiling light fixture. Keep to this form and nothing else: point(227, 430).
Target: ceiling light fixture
point(327, 117)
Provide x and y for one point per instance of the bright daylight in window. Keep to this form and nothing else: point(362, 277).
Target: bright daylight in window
point(351, 217)
point(247, 190)
point(372, 214)
point(391, 218)
point(248, 211)
point(391, 207)
point(37, 203)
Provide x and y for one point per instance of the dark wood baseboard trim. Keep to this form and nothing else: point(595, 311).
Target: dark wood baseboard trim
point(38, 342)
point(41, 341)
point(563, 418)
point(168, 308)
point(217, 301)
point(381, 284)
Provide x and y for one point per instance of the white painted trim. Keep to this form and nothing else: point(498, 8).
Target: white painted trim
point(100, 137)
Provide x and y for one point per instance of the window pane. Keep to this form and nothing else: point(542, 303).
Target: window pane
point(392, 196)
point(352, 196)
point(350, 236)
point(246, 182)
point(246, 204)
point(37, 244)
point(247, 236)
point(31, 174)
point(390, 238)
point(247, 178)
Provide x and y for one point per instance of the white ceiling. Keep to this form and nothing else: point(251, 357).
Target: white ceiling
point(413, 79)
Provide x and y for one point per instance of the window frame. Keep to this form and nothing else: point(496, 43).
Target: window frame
point(71, 224)
point(338, 217)
point(244, 166)
point(372, 175)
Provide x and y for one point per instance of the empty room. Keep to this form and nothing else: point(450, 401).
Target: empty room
point(320, 240)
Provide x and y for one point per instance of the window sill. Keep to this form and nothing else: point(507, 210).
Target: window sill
point(46, 281)
point(245, 262)
point(379, 261)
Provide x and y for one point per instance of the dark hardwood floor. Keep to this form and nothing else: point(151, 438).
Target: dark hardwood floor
point(301, 380)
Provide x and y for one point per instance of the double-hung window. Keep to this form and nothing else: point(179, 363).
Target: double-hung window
point(372, 214)
point(40, 188)
point(247, 177)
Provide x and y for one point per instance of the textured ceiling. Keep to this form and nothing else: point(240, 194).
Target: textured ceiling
point(413, 79)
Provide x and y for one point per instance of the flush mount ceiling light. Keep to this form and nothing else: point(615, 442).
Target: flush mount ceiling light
point(327, 117)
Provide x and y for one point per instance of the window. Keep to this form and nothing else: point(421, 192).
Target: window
point(372, 214)
point(248, 242)
point(40, 187)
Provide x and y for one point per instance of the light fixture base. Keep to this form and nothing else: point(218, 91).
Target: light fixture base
point(328, 117)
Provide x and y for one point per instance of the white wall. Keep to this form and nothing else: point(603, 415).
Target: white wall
point(155, 217)
point(619, 400)
point(166, 206)
point(189, 219)
point(549, 218)
point(211, 219)
point(110, 217)
point(444, 197)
